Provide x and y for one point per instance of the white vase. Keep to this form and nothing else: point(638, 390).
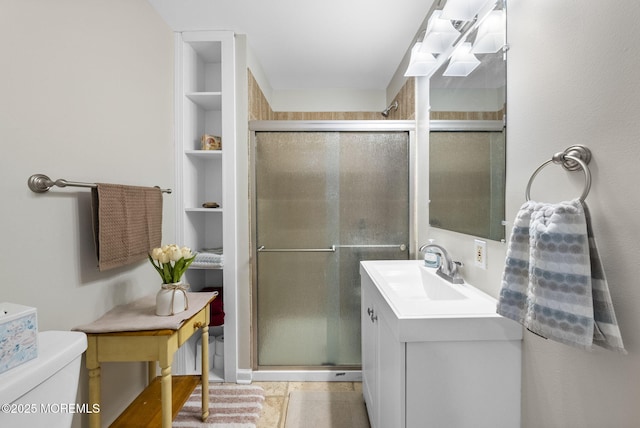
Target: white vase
point(171, 299)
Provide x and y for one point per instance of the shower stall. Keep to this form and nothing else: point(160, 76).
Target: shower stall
point(325, 195)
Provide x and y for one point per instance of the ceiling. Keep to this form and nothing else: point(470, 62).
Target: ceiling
point(303, 44)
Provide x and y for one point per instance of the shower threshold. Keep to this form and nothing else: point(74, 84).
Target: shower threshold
point(311, 375)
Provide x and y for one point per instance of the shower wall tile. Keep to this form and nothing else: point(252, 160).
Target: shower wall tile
point(467, 115)
point(406, 102)
point(327, 115)
point(259, 108)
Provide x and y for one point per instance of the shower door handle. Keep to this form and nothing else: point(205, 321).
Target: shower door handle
point(401, 247)
point(262, 249)
point(332, 249)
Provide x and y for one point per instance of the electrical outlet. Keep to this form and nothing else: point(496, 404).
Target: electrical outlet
point(480, 253)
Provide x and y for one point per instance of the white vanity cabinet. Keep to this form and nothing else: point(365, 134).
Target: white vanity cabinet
point(383, 376)
point(456, 368)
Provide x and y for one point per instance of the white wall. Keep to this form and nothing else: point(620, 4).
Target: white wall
point(316, 100)
point(572, 79)
point(339, 99)
point(321, 99)
point(86, 94)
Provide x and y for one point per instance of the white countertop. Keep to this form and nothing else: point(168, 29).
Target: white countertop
point(421, 306)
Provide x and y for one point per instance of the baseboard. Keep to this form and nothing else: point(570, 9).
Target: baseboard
point(244, 376)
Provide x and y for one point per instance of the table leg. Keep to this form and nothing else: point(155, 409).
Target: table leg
point(165, 385)
point(205, 372)
point(93, 366)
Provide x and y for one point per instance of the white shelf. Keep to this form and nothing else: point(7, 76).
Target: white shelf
point(204, 153)
point(206, 267)
point(207, 100)
point(205, 71)
point(203, 210)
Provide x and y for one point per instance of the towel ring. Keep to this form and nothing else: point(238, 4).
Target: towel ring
point(573, 158)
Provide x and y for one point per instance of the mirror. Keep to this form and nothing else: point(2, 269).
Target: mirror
point(467, 136)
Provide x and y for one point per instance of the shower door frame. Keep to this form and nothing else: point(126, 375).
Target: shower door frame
point(314, 373)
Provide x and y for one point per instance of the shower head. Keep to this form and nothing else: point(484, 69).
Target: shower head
point(393, 106)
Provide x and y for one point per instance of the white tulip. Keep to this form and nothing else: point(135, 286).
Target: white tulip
point(155, 253)
point(163, 257)
point(171, 253)
point(174, 253)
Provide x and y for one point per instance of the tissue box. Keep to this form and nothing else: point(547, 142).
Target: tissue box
point(18, 335)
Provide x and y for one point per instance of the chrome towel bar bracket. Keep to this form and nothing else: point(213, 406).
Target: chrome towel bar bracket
point(40, 183)
point(573, 158)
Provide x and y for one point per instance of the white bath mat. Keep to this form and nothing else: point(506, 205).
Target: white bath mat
point(231, 406)
point(326, 409)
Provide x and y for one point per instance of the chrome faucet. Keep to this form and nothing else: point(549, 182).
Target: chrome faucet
point(448, 268)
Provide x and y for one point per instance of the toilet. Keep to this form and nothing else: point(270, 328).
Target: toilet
point(42, 392)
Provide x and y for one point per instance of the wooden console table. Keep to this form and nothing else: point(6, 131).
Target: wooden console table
point(133, 332)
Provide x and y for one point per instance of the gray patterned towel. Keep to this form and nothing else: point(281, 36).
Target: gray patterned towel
point(553, 282)
point(606, 332)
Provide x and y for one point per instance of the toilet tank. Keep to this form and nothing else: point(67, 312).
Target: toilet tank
point(42, 392)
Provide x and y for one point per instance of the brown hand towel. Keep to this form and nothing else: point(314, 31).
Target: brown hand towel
point(127, 223)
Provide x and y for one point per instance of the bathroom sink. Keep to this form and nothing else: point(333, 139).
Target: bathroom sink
point(423, 306)
point(402, 281)
point(415, 290)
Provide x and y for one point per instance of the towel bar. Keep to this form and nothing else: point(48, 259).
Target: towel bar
point(573, 158)
point(40, 183)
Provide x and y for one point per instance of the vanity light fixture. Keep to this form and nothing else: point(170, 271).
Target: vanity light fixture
point(464, 10)
point(491, 34)
point(462, 62)
point(464, 17)
point(420, 63)
point(440, 34)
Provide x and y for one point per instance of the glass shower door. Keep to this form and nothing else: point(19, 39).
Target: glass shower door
point(323, 202)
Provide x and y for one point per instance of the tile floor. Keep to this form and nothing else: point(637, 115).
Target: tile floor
point(274, 409)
